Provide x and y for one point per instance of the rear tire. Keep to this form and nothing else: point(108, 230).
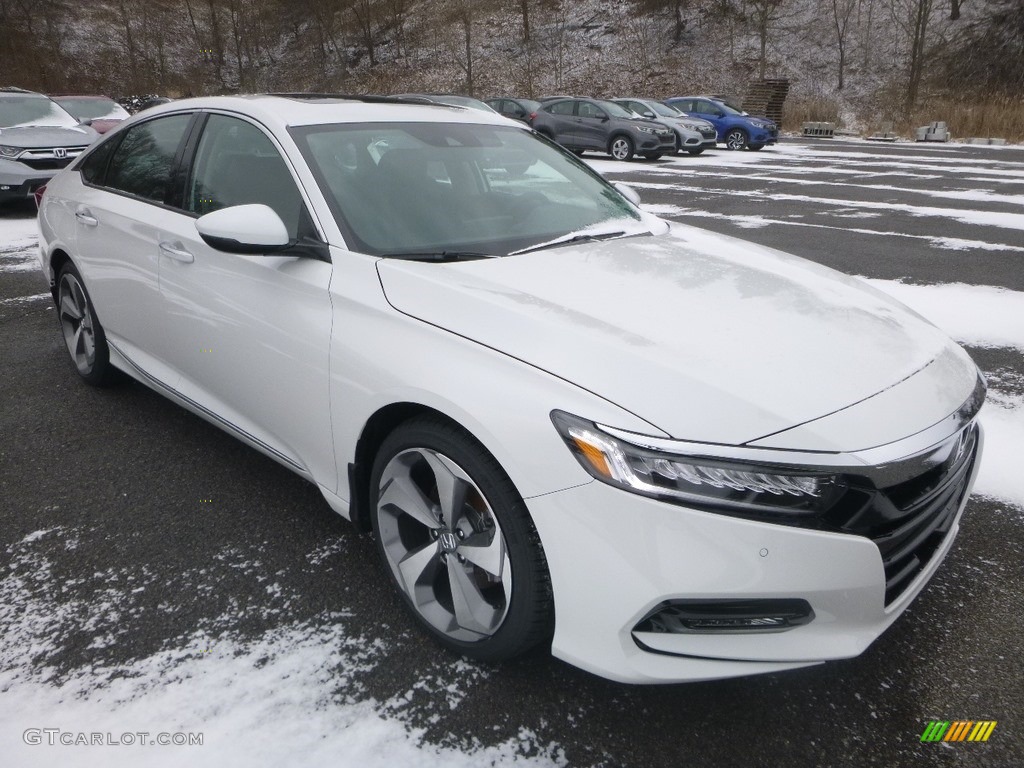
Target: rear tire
point(83, 335)
point(458, 542)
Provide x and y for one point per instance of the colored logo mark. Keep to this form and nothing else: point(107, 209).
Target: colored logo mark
point(958, 730)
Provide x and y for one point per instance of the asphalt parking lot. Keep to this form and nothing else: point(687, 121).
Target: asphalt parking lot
point(130, 526)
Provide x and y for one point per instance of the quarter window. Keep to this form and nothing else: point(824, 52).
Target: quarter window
point(236, 164)
point(143, 163)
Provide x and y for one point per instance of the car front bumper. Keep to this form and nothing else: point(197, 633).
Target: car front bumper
point(614, 557)
point(18, 184)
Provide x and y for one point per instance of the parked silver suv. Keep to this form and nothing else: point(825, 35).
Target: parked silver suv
point(37, 139)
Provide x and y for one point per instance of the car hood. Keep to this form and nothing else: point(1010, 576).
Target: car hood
point(30, 137)
point(707, 338)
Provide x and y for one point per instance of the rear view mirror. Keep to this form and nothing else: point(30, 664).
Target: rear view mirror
point(252, 228)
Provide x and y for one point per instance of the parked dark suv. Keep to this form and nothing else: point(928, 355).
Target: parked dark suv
point(603, 126)
point(37, 139)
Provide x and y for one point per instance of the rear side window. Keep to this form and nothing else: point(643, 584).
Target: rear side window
point(94, 167)
point(143, 163)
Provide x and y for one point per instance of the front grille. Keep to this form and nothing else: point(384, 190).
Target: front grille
point(49, 158)
point(47, 164)
point(708, 133)
point(909, 521)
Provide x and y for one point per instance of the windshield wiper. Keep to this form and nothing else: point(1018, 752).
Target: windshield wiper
point(440, 255)
point(578, 237)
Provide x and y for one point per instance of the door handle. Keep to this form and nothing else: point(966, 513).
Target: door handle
point(177, 252)
point(86, 218)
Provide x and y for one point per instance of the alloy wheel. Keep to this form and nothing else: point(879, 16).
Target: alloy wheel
point(444, 545)
point(76, 323)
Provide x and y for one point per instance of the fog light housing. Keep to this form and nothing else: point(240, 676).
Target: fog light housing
point(688, 617)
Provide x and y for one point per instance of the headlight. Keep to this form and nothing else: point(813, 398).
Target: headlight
point(691, 126)
point(645, 129)
point(709, 483)
point(10, 151)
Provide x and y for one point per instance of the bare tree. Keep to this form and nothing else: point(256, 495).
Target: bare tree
point(841, 13)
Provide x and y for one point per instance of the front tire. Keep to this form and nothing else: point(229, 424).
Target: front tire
point(736, 139)
point(695, 152)
point(621, 148)
point(652, 155)
point(83, 335)
point(755, 147)
point(458, 543)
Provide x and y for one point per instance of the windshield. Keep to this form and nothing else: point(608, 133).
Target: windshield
point(615, 110)
point(29, 110)
point(727, 109)
point(93, 109)
point(399, 189)
point(661, 109)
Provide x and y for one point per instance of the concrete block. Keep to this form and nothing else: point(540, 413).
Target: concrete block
point(936, 131)
point(824, 130)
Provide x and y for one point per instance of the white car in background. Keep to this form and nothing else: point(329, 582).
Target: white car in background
point(669, 454)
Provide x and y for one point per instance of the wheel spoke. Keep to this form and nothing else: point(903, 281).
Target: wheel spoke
point(76, 341)
point(472, 611)
point(415, 565)
point(402, 496)
point(451, 488)
point(489, 556)
point(68, 308)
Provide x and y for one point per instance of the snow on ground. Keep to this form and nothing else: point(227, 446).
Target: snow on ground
point(285, 698)
point(18, 238)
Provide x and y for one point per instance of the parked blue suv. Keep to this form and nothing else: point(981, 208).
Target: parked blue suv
point(736, 129)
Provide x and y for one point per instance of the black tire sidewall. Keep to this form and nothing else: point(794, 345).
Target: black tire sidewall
point(529, 619)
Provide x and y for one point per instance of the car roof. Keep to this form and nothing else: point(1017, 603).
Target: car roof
point(292, 110)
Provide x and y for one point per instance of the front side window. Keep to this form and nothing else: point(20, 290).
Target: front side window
point(412, 188)
point(143, 163)
point(589, 110)
point(237, 164)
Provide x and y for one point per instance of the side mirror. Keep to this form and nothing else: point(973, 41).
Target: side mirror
point(604, 118)
point(628, 192)
point(249, 229)
point(649, 114)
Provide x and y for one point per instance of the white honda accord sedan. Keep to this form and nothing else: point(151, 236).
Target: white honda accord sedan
point(668, 454)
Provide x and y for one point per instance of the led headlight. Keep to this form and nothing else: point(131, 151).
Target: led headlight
point(10, 151)
point(691, 126)
point(645, 129)
point(702, 481)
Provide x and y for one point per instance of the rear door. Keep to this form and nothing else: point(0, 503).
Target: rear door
point(122, 209)
point(564, 122)
point(592, 126)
